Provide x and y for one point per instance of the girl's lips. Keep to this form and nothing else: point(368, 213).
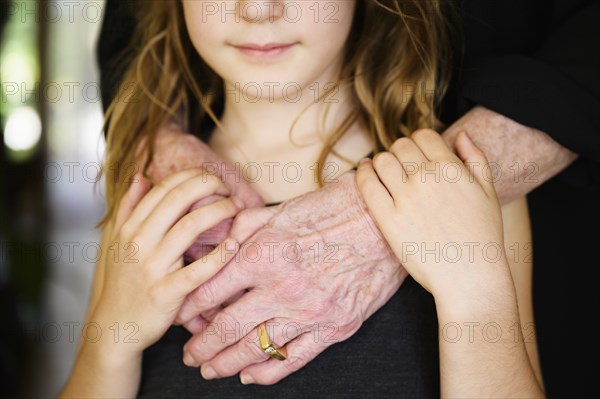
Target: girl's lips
point(264, 51)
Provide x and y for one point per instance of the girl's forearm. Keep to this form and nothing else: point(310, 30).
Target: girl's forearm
point(482, 351)
point(102, 370)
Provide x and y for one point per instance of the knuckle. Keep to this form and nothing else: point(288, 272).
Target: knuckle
point(227, 325)
point(180, 319)
point(127, 231)
point(244, 218)
point(298, 360)
point(205, 296)
point(176, 192)
point(226, 319)
point(400, 143)
point(383, 160)
point(251, 348)
point(424, 133)
point(188, 223)
point(155, 294)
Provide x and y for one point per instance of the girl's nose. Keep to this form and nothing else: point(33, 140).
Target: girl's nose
point(261, 10)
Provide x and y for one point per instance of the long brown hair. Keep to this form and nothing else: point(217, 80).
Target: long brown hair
point(398, 65)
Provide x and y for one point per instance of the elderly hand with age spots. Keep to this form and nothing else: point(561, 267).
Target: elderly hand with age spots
point(314, 272)
point(316, 264)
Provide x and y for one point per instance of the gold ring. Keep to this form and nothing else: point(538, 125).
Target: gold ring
point(267, 346)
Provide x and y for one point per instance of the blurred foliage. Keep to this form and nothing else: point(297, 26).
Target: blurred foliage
point(19, 65)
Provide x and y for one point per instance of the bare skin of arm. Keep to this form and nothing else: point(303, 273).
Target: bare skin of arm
point(509, 145)
point(146, 291)
point(505, 142)
point(471, 293)
point(527, 157)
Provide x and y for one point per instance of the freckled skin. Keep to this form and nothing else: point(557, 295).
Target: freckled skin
point(338, 271)
point(527, 157)
point(343, 284)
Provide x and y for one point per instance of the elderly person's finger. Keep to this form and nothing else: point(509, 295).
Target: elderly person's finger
point(315, 264)
point(300, 352)
point(250, 220)
point(229, 326)
point(248, 350)
point(210, 295)
point(233, 279)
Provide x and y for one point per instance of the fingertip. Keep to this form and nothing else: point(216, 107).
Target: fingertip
point(221, 187)
point(465, 147)
point(464, 136)
point(361, 176)
point(189, 360)
point(230, 244)
point(238, 202)
point(463, 141)
point(246, 378)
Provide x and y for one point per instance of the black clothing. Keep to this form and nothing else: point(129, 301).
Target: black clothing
point(537, 63)
point(393, 355)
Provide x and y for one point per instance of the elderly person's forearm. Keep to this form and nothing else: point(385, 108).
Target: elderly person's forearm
point(521, 158)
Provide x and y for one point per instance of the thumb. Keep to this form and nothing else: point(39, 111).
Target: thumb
point(249, 221)
point(476, 162)
point(241, 189)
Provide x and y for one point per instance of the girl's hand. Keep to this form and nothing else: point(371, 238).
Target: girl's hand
point(145, 282)
point(174, 151)
point(441, 217)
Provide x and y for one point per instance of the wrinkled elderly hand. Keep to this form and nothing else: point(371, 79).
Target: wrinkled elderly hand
point(315, 272)
point(175, 151)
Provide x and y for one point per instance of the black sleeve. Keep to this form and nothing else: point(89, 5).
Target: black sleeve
point(555, 88)
point(113, 50)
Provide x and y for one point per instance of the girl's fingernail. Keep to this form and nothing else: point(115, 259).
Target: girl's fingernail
point(246, 379)
point(238, 202)
point(364, 160)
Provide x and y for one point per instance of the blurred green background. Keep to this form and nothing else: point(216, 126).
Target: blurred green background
point(50, 134)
